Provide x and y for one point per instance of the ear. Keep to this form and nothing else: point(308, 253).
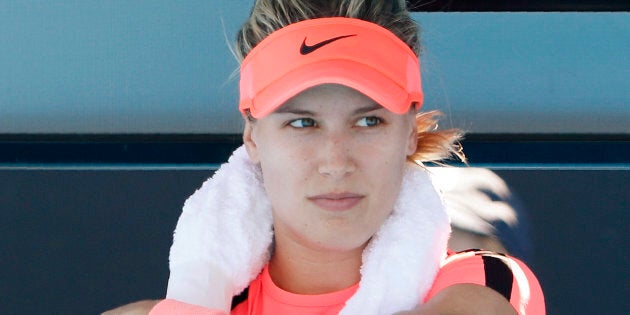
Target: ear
point(249, 140)
point(412, 140)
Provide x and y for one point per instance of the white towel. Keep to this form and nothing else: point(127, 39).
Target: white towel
point(224, 235)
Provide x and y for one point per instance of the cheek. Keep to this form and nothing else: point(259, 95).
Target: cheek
point(386, 168)
point(284, 168)
point(390, 155)
point(386, 178)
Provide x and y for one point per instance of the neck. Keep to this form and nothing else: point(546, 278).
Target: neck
point(298, 269)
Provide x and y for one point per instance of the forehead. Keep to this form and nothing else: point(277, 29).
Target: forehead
point(335, 95)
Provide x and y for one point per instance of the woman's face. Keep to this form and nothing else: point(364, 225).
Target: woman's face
point(332, 162)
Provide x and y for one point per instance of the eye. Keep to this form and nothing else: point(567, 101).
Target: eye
point(369, 121)
point(302, 123)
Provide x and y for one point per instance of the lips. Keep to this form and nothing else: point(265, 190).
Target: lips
point(337, 201)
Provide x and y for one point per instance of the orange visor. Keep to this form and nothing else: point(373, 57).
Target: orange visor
point(347, 51)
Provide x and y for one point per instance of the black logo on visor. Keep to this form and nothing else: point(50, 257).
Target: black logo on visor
point(307, 49)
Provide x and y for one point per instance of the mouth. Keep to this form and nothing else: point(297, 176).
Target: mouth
point(337, 201)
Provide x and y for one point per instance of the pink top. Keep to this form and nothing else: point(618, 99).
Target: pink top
point(265, 297)
point(508, 276)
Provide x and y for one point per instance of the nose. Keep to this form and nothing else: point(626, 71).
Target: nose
point(335, 156)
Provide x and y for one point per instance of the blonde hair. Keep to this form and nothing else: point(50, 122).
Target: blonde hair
point(268, 16)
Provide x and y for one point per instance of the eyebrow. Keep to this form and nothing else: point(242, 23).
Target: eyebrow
point(288, 109)
point(367, 109)
point(361, 110)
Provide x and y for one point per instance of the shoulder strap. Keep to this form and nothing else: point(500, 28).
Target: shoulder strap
point(242, 297)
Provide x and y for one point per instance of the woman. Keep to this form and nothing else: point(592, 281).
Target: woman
point(323, 210)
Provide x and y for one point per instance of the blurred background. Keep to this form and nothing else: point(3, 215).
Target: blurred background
point(113, 112)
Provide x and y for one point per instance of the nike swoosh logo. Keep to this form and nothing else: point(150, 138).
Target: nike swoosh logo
point(307, 49)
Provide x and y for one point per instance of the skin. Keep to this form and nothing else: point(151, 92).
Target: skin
point(135, 308)
point(465, 299)
point(328, 142)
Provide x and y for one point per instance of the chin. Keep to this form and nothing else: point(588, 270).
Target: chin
point(342, 243)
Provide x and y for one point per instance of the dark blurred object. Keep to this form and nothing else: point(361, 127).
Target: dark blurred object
point(484, 212)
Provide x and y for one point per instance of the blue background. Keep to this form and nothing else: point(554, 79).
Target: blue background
point(166, 67)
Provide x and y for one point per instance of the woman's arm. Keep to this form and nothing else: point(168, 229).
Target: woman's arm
point(167, 306)
point(136, 308)
point(465, 299)
point(483, 282)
